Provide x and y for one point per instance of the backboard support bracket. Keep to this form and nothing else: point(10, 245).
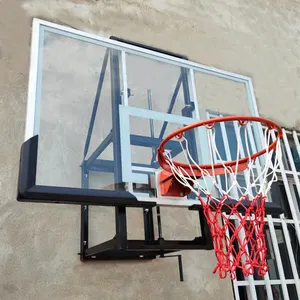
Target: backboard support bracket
point(149, 248)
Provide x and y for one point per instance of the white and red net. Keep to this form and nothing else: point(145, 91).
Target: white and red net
point(234, 208)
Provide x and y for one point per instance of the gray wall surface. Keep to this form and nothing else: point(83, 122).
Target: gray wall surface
point(39, 243)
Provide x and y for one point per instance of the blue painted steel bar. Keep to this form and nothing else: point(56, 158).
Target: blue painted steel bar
point(149, 142)
point(190, 134)
point(136, 140)
point(84, 171)
point(105, 143)
point(96, 103)
point(151, 121)
point(115, 102)
point(171, 106)
point(104, 165)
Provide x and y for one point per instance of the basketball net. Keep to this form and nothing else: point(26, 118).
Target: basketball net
point(238, 235)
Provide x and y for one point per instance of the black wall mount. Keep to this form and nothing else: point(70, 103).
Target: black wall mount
point(149, 248)
point(29, 191)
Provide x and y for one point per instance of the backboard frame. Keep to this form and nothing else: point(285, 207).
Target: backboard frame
point(65, 195)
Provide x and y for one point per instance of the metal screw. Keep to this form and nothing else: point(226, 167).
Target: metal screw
point(94, 256)
point(146, 210)
point(84, 243)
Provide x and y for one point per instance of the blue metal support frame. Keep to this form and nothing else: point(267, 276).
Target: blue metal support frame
point(105, 143)
point(116, 100)
point(96, 103)
point(135, 140)
point(92, 163)
point(171, 106)
point(84, 230)
point(120, 247)
point(105, 165)
point(187, 111)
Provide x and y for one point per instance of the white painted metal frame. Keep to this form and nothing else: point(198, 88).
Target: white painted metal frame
point(40, 26)
point(35, 58)
point(125, 113)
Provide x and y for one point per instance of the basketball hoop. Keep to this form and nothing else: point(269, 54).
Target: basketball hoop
point(234, 210)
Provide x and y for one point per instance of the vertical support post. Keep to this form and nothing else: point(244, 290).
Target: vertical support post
point(148, 224)
point(160, 237)
point(188, 112)
point(96, 104)
point(148, 215)
point(84, 230)
point(116, 100)
point(180, 267)
point(149, 94)
point(124, 78)
point(205, 230)
point(190, 134)
point(121, 227)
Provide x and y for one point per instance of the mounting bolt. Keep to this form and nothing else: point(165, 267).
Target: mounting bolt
point(84, 243)
point(93, 256)
point(141, 256)
point(146, 209)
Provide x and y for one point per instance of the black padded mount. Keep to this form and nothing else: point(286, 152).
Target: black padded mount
point(28, 191)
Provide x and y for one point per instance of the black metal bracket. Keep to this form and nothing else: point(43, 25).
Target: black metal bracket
point(122, 248)
point(180, 266)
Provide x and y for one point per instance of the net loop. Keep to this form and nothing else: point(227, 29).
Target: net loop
point(243, 122)
point(179, 135)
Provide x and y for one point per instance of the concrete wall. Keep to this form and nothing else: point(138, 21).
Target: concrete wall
point(39, 243)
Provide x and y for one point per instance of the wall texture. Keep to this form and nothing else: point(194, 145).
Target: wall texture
point(39, 243)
